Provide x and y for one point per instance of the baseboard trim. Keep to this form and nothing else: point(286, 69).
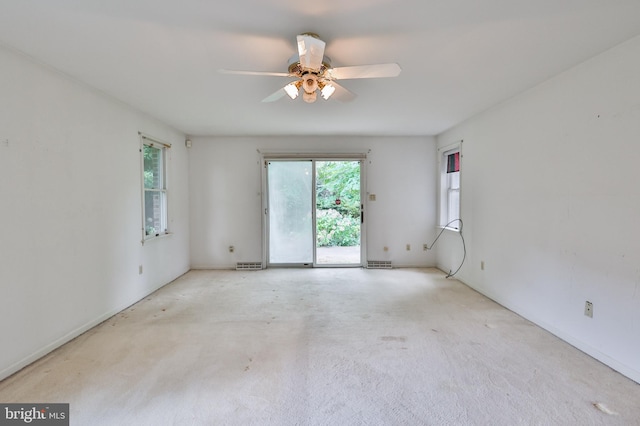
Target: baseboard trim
point(206, 267)
point(59, 342)
point(30, 359)
point(582, 346)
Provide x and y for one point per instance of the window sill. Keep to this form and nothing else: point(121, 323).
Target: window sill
point(448, 228)
point(156, 237)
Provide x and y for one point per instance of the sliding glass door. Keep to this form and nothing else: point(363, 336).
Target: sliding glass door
point(338, 212)
point(314, 212)
point(290, 214)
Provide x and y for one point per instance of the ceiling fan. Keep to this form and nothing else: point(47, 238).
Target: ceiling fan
point(313, 73)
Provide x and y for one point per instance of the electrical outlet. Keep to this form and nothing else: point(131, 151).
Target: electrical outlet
point(588, 309)
point(386, 248)
point(232, 249)
point(408, 247)
point(425, 247)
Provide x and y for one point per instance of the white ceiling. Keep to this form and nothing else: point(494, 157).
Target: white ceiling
point(458, 57)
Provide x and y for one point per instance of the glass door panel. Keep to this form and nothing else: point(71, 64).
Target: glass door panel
point(338, 212)
point(290, 214)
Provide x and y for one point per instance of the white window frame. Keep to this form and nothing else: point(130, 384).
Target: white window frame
point(445, 191)
point(164, 149)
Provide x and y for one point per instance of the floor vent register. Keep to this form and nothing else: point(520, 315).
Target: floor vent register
point(378, 264)
point(248, 266)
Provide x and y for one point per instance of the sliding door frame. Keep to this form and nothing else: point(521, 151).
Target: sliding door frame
point(313, 157)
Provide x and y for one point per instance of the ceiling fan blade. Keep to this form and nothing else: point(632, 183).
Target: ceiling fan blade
point(268, 73)
point(310, 52)
point(365, 71)
point(275, 95)
point(342, 94)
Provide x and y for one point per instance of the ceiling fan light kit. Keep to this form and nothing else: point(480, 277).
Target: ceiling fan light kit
point(293, 89)
point(309, 97)
point(327, 91)
point(314, 73)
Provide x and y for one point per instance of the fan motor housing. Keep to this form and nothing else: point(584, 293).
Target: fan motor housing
point(296, 69)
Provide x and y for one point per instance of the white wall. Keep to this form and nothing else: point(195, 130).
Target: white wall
point(70, 210)
point(226, 195)
point(551, 203)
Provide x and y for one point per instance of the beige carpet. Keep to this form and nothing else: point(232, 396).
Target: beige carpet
point(324, 347)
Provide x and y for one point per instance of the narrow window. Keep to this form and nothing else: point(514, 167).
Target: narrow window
point(154, 178)
point(450, 186)
point(453, 162)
